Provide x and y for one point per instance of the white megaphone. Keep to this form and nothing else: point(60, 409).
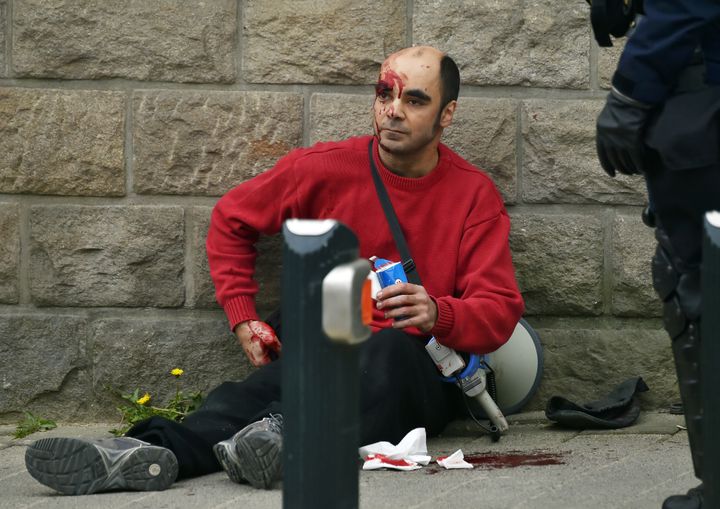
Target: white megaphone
point(498, 383)
point(518, 367)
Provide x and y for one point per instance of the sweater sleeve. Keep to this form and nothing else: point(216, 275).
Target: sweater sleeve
point(257, 206)
point(488, 304)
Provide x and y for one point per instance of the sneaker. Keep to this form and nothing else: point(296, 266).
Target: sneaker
point(253, 454)
point(76, 466)
point(693, 500)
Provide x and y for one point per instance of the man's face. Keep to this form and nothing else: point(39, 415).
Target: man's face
point(407, 101)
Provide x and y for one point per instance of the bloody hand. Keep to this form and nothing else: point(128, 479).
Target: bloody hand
point(259, 341)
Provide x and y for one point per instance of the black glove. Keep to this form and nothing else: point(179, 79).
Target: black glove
point(620, 134)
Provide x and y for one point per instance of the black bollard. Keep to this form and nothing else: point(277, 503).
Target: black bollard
point(320, 377)
point(710, 362)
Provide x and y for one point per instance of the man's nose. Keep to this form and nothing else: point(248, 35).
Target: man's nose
point(396, 109)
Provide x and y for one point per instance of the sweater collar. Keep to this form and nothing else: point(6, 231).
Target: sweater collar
point(393, 180)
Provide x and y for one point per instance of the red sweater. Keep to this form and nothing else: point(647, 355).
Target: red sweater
point(453, 218)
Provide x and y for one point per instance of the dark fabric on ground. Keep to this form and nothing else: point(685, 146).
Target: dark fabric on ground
point(618, 409)
point(400, 389)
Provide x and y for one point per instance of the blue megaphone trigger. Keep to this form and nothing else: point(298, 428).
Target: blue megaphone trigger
point(474, 363)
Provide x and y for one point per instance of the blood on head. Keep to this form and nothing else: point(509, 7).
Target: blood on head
point(389, 86)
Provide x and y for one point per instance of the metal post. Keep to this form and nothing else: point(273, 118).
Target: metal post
point(710, 362)
point(320, 389)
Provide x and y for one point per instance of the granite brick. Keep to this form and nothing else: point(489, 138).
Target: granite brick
point(107, 256)
point(9, 252)
point(558, 262)
point(62, 142)
point(514, 42)
point(205, 143)
point(163, 40)
point(328, 41)
point(560, 163)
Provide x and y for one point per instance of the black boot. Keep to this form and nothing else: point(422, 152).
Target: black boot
point(678, 285)
point(693, 500)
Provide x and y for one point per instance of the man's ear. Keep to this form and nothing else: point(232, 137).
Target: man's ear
point(447, 114)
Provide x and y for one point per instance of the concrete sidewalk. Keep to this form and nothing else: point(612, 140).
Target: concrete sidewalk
point(535, 465)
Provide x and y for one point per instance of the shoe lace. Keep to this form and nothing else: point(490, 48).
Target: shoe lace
point(275, 422)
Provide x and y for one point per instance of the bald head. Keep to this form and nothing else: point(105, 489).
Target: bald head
point(430, 61)
point(419, 52)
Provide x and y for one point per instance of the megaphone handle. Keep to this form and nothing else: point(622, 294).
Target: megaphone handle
point(492, 411)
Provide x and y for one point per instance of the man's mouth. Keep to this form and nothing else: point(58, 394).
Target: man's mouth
point(396, 131)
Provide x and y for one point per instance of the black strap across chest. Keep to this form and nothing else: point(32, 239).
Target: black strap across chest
point(402, 247)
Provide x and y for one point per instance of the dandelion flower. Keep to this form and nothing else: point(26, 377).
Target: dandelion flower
point(144, 399)
point(177, 372)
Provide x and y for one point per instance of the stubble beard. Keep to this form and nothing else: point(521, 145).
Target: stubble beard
point(413, 146)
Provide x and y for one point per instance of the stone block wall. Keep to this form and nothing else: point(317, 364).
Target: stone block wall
point(121, 123)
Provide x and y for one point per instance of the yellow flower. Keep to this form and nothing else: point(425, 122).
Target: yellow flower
point(144, 399)
point(177, 372)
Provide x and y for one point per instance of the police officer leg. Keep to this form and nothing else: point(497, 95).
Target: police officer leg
point(678, 285)
point(680, 198)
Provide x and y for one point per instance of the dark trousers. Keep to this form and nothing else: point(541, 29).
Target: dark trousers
point(683, 184)
point(400, 390)
point(680, 198)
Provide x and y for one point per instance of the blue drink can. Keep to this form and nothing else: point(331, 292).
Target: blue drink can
point(389, 273)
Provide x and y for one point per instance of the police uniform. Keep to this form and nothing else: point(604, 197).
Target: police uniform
point(662, 119)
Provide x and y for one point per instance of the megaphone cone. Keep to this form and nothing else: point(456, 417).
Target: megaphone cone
point(518, 366)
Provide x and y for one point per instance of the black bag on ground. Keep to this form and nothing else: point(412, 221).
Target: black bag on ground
point(618, 409)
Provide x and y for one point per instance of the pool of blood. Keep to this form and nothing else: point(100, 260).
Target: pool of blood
point(510, 459)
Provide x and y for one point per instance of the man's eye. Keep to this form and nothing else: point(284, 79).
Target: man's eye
point(382, 94)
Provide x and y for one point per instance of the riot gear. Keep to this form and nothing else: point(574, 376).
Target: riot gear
point(662, 119)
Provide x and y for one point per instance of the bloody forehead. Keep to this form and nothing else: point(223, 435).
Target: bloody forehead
point(388, 80)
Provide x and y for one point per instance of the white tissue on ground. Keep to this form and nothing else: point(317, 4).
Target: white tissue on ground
point(412, 448)
point(455, 460)
point(378, 461)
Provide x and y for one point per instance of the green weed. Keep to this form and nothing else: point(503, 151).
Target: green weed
point(139, 408)
point(32, 424)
